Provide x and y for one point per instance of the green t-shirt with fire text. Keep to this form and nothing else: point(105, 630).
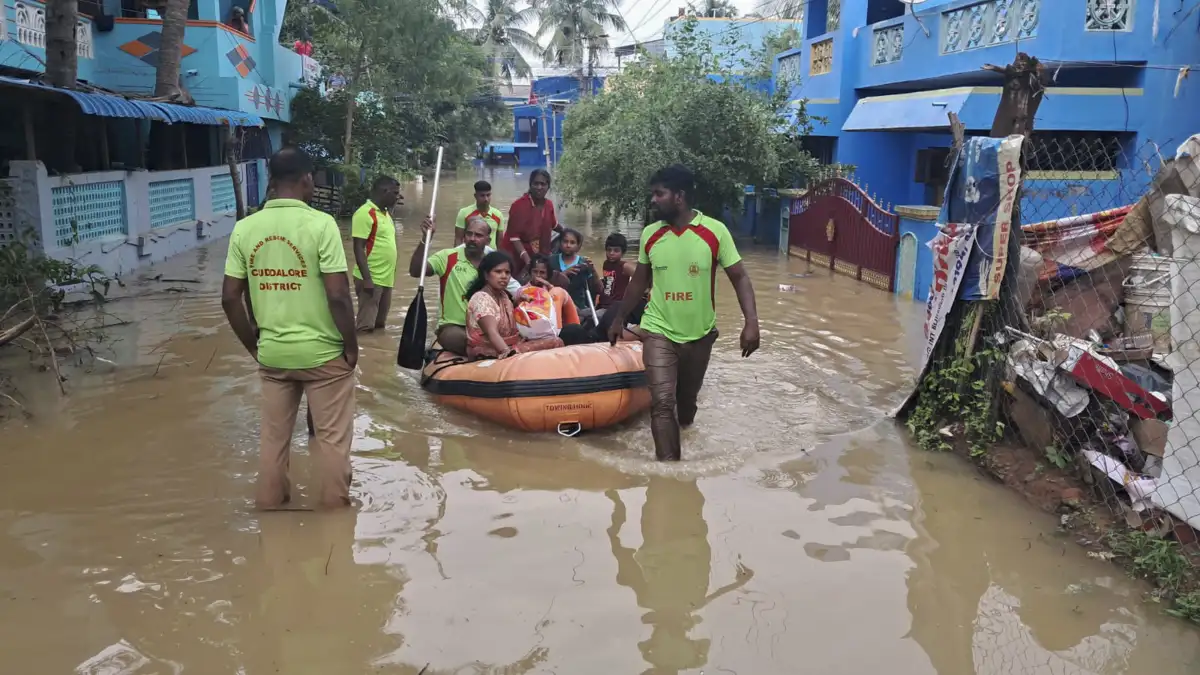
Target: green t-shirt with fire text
point(683, 265)
point(282, 251)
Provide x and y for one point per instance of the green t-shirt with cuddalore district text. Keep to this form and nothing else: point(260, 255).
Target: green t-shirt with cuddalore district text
point(282, 251)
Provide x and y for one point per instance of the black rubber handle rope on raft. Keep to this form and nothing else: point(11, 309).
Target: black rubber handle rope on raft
point(567, 386)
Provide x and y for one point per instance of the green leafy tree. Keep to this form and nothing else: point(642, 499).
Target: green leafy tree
point(404, 84)
point(503, 38)
point(699, 108)
point(572, 28)
point(374, 52)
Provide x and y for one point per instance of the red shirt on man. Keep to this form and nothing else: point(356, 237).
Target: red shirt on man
point(532, 225)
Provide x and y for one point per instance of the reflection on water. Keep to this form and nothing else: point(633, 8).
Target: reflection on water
point(669, 572)
point(800, 534)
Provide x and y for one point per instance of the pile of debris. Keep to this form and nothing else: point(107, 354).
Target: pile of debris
point(1108, 371)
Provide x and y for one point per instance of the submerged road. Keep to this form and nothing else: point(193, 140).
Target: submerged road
point(802, 533)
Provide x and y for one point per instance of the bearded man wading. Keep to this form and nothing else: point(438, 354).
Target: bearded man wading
point(291, 257)
point(681, 253)
point(456, 269)
point(374, 235)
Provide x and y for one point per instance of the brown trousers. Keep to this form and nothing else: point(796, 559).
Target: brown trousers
point(675, 373)
point(330, 391)
point(373, 308)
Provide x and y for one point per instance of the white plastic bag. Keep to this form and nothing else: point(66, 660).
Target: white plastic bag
point(535, 316)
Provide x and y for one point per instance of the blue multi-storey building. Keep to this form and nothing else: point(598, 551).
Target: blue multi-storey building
point(139, 180)
point(537, 125)
point(884, 75)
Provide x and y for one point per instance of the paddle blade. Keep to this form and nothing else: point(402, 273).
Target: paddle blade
point(412, 341)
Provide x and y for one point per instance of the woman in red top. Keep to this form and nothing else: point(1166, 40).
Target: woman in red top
point(531, 220)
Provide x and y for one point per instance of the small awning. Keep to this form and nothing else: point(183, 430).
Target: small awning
point(916, 111)
point(209, 116)
point(100, 105)
point(108, 105)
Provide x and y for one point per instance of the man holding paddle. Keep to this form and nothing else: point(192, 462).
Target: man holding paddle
point(681, 253)
point(291, 257)
point(456, 268)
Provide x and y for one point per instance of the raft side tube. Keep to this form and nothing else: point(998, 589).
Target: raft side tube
point(529, 392)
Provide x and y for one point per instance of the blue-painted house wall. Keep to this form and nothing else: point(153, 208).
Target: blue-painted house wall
point(923, 231)
point(264, 88)
point(548, 123)
point(929, 75)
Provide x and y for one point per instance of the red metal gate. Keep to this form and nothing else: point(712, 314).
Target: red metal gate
point(836, 224)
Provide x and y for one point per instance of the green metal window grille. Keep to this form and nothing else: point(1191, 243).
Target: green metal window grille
point(87, 212)
point(172, 202)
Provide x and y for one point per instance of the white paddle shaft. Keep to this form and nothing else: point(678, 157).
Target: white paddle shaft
point(437, 175)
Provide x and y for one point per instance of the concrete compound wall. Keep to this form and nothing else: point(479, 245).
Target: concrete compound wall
point(146, 224)
point(920, 223)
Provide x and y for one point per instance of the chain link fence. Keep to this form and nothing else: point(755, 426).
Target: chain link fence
point(1090, 357)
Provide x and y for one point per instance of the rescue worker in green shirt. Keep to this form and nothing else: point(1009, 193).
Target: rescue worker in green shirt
point(291, 259)
point(681, 253)
point(456, 269)
point(374, 235)
point(482, 207)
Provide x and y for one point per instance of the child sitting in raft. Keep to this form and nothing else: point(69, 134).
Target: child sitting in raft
point(565, 309)
point(539, 275)
point(491, 329)
point(578, 272)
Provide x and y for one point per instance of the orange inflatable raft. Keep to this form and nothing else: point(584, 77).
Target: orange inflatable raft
point(568, 390)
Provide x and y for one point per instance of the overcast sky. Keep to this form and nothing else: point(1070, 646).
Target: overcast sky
point(646, 17)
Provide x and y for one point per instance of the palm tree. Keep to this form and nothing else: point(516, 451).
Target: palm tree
point(715, 9)
point(166, 77)
point(575, 26)
point(61, 57)
point(502, 36)
point(461, 11)
point(783, 9)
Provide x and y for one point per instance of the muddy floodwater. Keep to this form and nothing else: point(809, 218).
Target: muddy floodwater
point(802, 533)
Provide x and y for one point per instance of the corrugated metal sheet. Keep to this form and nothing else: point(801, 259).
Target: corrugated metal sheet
point(107, 105)
point(100, 105)
point(208, 116)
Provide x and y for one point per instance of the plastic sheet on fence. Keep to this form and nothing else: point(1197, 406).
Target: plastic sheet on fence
point(980, 198)
point(1072, 246)
point(983, 192)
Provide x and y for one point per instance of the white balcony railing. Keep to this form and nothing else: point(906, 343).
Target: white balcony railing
point(31, 29)
point(989, 23)
point(889, 44)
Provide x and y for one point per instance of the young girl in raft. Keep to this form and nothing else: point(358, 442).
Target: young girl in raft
point(539, 276)
point(491, 329)
point(578, 272)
